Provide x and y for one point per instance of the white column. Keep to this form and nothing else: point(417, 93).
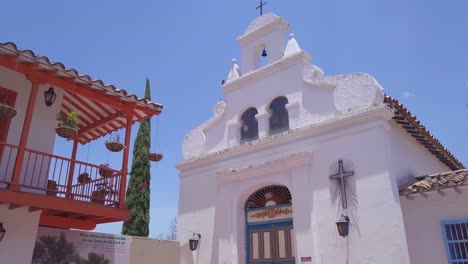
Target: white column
point(234, 133)
point(226, 225)
point(294, 109)
point(302, 211)
point(263, 124)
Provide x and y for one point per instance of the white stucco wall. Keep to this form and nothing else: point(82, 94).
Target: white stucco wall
point(409, 158)
point(21, 228)
point(42, 133)
point(423, 214)
point(215, 209)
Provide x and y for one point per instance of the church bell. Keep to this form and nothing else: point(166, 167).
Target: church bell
point(264, 53)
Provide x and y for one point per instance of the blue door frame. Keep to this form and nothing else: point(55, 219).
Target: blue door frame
point(267, 225)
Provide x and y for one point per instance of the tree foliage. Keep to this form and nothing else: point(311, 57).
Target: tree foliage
point(172, 233)
point(138, 192)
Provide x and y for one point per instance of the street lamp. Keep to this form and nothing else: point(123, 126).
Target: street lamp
point(343, 226)
point(193, 242)
point(50, 96)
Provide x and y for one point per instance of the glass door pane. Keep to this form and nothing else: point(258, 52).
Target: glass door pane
point(267, 245)
point(293, 242)
point(255, 246)
point(281, 243)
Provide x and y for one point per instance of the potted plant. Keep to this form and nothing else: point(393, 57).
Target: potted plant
point(104, 170)
point(51, 188)
point(114, 144)
point(100, 194)
point(84, 178)
point(68, 123)
point(6, 111)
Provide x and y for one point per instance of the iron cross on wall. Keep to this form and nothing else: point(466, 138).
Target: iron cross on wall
point(341, 177)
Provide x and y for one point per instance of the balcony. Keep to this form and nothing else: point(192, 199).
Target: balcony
point(67, 191)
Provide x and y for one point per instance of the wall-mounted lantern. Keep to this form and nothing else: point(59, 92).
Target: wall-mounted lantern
point(193, 242)
point(2, 231)
point(50, 96)
point(343, 226)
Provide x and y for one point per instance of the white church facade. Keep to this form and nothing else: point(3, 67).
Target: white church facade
point(291, 152)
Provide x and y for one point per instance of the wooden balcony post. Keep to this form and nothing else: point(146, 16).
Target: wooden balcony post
point(72, 169)
point(123, 179)
point(14, 185)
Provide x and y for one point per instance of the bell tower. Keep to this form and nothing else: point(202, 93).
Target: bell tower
point(265, 36)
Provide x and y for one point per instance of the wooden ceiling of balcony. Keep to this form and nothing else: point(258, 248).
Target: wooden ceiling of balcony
point(64, 213)
point(103, 108)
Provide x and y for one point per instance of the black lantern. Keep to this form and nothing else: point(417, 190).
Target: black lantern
point(193, 242)
point(50, 96)
point(343, 226)
point(264, 53)
point(2, 231)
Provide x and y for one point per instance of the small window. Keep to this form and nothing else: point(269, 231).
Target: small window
point(456, 241)
point(249, 128)
point(279, 118)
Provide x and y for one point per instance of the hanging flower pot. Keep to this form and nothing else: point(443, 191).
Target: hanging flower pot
point(7, 112)
point(155, 156)
point(114, 144)
point(67, 126)
point(66, 132)
point(104, 171)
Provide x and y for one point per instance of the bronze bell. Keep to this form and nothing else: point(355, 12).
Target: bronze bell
point(264, 53)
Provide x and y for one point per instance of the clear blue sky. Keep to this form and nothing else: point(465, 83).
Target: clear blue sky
point(417, 50)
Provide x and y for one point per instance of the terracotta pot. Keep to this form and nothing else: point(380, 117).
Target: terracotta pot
point(155, 156)
point(51, 188)
point(99, 196)
point(105, 173)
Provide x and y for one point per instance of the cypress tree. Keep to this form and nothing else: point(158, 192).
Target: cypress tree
point(138, 192)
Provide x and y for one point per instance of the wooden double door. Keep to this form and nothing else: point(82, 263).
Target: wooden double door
point(271, 243)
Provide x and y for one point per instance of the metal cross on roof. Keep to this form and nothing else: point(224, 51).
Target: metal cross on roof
point(341, 176)
point(261, 7)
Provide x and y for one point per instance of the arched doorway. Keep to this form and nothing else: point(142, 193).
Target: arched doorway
point(270, 231)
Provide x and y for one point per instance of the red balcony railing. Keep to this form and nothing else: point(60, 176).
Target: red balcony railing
point(48, 174)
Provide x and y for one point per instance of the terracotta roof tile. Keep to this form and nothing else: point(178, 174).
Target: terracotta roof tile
point(436, 182)
point(10, 48)
point(413, 126)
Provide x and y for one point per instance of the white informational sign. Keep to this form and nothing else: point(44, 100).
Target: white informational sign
point(80, 247)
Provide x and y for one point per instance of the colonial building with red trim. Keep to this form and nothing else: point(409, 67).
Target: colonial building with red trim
point(38, 188)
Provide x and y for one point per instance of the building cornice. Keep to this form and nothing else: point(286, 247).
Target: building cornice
point(266, 168)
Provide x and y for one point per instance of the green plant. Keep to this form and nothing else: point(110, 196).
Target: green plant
point(103, 170)
point(84, 177)
point(114, 138)
point(69, 120)
point(105, 189)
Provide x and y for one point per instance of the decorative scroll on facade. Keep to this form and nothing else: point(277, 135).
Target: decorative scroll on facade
point(269, 214)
